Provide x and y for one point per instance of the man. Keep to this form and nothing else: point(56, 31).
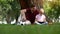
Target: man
point(30, 13)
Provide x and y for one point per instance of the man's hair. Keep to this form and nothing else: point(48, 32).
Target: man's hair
point(32, 5)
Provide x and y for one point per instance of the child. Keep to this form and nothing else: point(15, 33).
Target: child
point(40, 18)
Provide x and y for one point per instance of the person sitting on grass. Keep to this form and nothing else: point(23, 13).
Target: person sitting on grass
point(30, 13)
point(40, 18)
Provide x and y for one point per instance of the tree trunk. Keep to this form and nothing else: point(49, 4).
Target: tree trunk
point(38, 3)
point(8, 19)
point(24, 3)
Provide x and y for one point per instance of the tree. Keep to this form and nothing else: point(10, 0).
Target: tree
point(9, 9)
point(52, 8)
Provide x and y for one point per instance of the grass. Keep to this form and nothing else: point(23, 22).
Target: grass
point(30, 29)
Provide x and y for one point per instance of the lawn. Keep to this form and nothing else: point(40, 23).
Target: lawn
point(30, 29)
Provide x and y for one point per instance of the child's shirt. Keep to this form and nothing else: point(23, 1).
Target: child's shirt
point(40, 18)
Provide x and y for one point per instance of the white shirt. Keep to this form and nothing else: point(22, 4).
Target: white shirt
point(40, 18)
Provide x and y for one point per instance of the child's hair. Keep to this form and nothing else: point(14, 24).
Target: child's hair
point(42, 10)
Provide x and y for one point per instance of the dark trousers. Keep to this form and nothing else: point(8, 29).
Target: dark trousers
point(40, 22)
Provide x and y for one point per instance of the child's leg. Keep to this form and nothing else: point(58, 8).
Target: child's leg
point(45, 22)
point(37, 23)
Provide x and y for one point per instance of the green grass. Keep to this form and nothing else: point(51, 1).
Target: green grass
point(30, 29)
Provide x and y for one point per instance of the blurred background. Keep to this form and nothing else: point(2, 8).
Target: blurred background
point(10, 9)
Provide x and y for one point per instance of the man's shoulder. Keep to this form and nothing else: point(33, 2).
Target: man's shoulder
point(38, 15)
point(37, 11)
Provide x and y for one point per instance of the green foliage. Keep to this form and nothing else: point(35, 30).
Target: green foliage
point(52, 8)
point(9, 7)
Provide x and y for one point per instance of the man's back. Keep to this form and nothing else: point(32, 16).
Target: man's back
point(31, 16)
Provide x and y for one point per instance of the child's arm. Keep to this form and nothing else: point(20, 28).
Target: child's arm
point(44, 18)
point(36, 22)
point(35, 19)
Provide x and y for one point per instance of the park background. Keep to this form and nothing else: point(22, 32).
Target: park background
point(10, 11)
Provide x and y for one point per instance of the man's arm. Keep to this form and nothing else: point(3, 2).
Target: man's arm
point(23, 14)
point(23, 10)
